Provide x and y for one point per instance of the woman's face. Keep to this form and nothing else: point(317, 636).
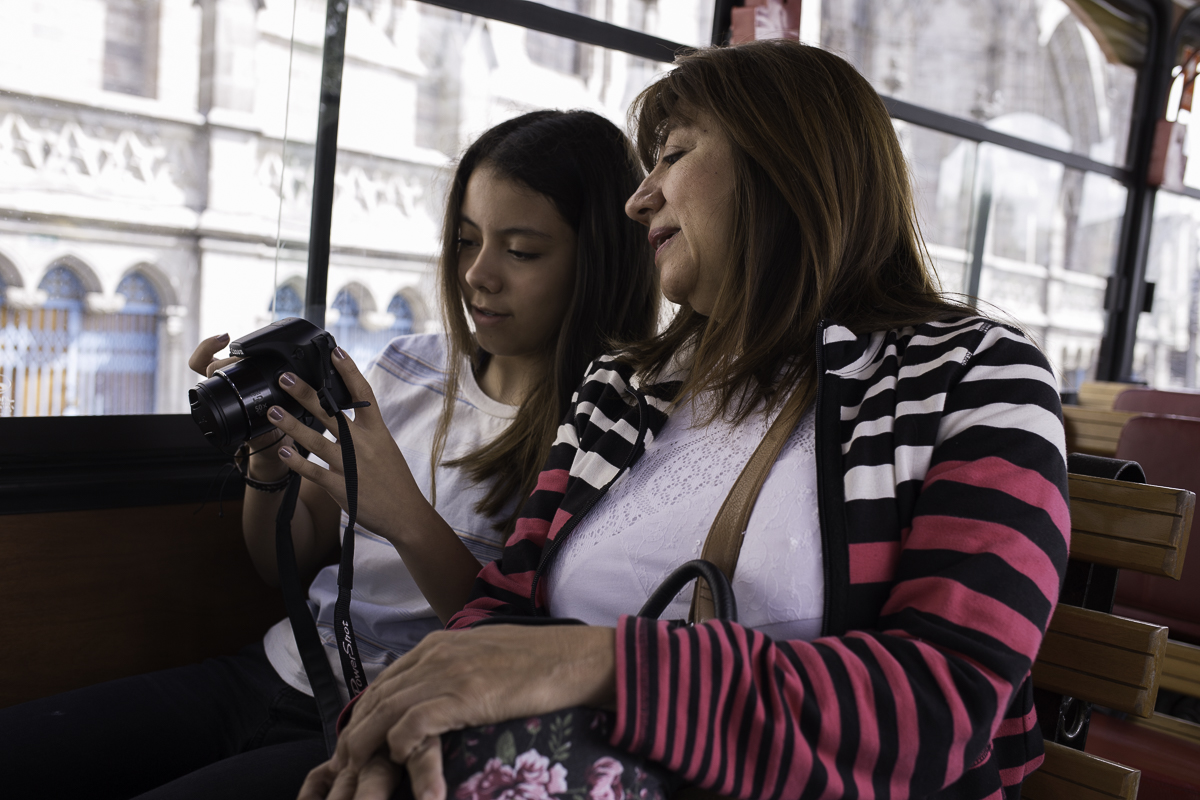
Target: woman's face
point(687, 203)
point(516, 265)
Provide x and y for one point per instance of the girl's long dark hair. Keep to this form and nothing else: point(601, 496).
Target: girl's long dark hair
point(824, 225)
point(586, 166)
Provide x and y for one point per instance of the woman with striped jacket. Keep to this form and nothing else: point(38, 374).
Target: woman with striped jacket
point(905, 553)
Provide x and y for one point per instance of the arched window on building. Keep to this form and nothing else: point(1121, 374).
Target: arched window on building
point(119, 352)
point(345, 327)
point(43, 348)
point(364, 335)
point(400, 309)
point(287, 303)
point(62, 358)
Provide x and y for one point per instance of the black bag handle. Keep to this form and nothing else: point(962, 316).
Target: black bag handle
point(660, 598)
point(724, 603)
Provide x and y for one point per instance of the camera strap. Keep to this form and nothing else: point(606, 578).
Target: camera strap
point(304, 627)
point(352, 669)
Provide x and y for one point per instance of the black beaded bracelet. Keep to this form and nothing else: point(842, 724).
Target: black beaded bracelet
point(241, 460)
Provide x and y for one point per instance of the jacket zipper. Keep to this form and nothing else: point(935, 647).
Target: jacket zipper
point(573, 522)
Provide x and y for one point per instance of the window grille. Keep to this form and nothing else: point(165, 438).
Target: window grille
point(119, 352)
point(39, 361)
point(61, 359)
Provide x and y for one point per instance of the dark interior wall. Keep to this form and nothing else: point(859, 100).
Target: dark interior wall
point(88, 596)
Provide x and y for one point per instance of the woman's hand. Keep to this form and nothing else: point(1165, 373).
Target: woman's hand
point(387, 492)
point(459, 679)
point(378, 778)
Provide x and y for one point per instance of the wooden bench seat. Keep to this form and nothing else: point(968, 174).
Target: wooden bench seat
point(1181, 669)
point(1101, 394)
point(1089, 656)
point(1130, 525)
point(1094, 431)
point(1111, 661)
point(1070, 773)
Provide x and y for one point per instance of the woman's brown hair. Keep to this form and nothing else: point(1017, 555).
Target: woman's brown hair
point(823, 219)
point(585, 165)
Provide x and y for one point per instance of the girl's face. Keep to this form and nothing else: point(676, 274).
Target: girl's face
point(687, 203)
point(516, 265)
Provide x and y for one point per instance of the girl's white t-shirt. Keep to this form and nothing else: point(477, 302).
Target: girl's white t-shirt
point(656, 516)
point(389, 613)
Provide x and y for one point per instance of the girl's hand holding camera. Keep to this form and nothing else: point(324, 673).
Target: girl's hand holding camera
point(264, 464)
point(385, 485)
point(386, 489)
point(390, 504)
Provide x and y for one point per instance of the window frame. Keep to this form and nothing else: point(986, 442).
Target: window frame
point(1126, 287)
point(65, 464)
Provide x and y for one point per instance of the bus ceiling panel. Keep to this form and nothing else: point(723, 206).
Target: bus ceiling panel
point(966, 129)
point(539, 17)
point(1187, 29)
point(1122, 33)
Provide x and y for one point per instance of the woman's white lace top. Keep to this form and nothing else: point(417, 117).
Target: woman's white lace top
point(657, 515)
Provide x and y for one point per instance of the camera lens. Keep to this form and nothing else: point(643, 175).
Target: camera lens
point(218, 412)
point(231, 406)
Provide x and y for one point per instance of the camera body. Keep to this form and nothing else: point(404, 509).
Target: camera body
point(231, 406)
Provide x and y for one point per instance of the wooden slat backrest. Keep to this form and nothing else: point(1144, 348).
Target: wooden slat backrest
point(1098, 657)
point(1100, 394)
point(1181, 669)
point(1130, 525)
point(1103, 659)
point(1071, 773)
point(1181, 728)
point(1095, 431)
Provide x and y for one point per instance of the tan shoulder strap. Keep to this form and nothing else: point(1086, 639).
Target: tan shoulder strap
point(724, 542)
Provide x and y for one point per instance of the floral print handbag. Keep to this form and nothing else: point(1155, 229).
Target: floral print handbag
point(566, 755)
point(563, 755)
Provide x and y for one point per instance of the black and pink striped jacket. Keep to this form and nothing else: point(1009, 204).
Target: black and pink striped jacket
point(943, 507)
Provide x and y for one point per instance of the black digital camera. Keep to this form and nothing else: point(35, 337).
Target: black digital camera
point(231, 406)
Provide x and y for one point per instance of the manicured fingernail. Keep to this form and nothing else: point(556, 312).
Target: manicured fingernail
point(275, 413)
point(223, 338)
point(287, 379)
point(339, 353)
point(285, 453)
